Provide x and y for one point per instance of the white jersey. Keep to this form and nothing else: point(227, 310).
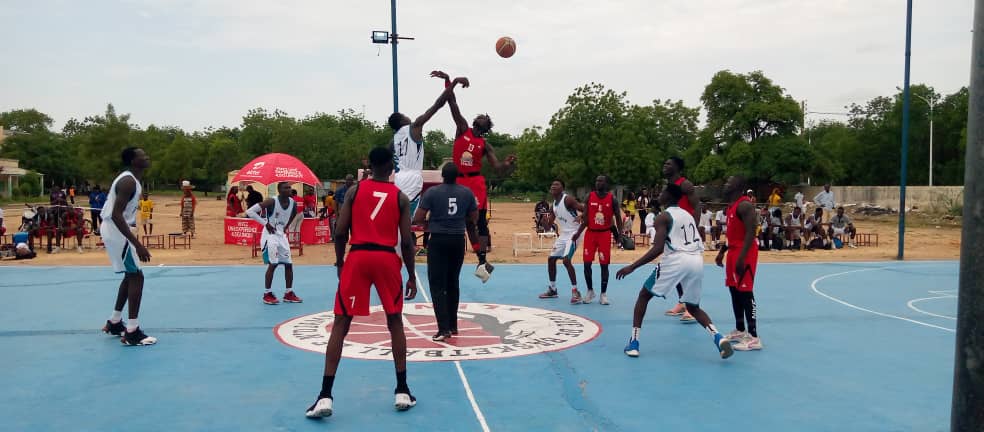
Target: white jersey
point(795, 221)
point(280, 216)
point(683, 236)
point(408, 158)
point(566, 219)
point(130, 211)
point(705, 219)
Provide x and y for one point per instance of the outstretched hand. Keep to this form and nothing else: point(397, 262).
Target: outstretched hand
point(511, 159)
point(623, 272)
point(439, 74)
point(461, 80)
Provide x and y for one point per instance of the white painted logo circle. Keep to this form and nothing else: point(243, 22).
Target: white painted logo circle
point(485, 331)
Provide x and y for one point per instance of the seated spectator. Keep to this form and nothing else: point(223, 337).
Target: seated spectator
point(841, 225)
point(310, 203)
point(776, 230)
point(627, 223)
point(762, 232)
point(73, 226)
point(816, 236)
point(234, 206)
point(794, 228)
point(541, 213)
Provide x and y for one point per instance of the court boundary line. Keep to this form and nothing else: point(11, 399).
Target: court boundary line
point(457, 364)
point(813, 286)
point(912, 302)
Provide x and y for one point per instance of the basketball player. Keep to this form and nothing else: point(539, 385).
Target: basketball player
point(121, 246)
point(565, 211)
point(377, 215)
point(469, 149)
point(598, 219)
point(280, 213)
point(672, 171)
point(739, 272)
point(682, 265)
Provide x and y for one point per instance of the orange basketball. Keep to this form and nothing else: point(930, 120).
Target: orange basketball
point(505, 46)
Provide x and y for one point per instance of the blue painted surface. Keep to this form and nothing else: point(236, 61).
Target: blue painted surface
point(218, 367)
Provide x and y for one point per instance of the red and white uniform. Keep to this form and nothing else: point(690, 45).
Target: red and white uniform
point(372, 260)
point(598, 237)
point(468, 152)
point(736, 239)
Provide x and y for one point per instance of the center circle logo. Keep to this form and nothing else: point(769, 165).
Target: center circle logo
point(485, 331)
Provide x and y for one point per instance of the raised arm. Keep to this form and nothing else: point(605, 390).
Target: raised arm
point(459, 120)
point(417, 127)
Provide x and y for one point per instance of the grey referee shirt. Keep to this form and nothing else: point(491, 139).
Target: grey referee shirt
point(449, 205)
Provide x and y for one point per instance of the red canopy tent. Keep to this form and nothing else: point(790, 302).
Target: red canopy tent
point(269, 169)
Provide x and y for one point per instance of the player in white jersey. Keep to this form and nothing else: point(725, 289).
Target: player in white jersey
point(682, 263)
point(565, 215)
point(119, 214)
point(280, 212)
point(704, 227)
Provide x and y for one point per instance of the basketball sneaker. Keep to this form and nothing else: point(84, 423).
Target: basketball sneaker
point(404, 401)
point(603, 299)
point(439, 337)
point(736, 335)
point(482, 272)
point(114, 329)
point(632, 349)
point(549, 293)
point(270, 299)
point(290, 297)
point(137, 338)
point(321, 408)
point(589, 296)
point(575, 297)
point(687, 318)
point(749, 344)
point(723, 345)
point(677, 310)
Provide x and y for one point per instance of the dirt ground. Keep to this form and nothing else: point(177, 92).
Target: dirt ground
point(927, 238)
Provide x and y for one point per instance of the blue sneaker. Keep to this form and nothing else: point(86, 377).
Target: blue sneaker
point(723, 345)
point(632, 349)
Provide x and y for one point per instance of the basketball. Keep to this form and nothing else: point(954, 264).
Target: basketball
point(505, 46)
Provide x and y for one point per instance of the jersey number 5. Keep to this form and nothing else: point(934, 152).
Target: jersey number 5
point(452, 206)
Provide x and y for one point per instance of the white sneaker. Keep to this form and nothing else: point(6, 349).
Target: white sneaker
point(589, 297)
point(736, 335)
point(852, 245)
point(404, 401)
point(604, 299)
point(482, 273)
point(748, 344)
point(321, 408)
point(80, 249)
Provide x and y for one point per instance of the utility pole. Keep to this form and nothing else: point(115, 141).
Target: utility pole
point(905, 129)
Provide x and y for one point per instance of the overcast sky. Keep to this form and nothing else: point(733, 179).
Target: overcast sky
point(195, 64)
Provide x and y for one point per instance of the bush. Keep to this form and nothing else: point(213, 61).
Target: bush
point(27, 189)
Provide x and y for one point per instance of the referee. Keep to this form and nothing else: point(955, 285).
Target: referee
point(452, 209)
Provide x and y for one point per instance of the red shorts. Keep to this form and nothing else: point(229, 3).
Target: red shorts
point(599, 242)
point(747, 281)
point(477, 186)
point(365, 268)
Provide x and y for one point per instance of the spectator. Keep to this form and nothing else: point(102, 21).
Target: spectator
point(146, 213)
point(825, 201)
point(704, 226)
point(73, 225)
point(340, 192)
point(794, 228)
point(751, 196)
point(310, 203)
point(541, 213)
point(234, 207)
point(22, 248)
point(188, 204)
point(816, 236)
point(3, 229)
point(252, 197)
point(776, 229)
point(841, 225)
point(630, 205)
point(57, 197)
point(799, 200)
point(650, 226)
point(71, 194)
point(96, 200)
point(643, 204)
point(720, 227)
point(764, 235)
point(775, 200)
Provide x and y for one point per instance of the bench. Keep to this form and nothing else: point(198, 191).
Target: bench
point(176, 240)
point(865, 239)
point(153, 241)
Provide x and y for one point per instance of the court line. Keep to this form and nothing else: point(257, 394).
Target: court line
point(457, 365)
point(813, 286)
point(914, 301)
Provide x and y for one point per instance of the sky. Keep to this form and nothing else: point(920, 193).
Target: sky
point(200, 63)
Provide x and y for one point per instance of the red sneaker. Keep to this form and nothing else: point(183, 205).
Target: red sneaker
point(270, 299)
point(290, 297)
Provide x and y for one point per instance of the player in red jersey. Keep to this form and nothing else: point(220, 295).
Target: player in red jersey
point(469, 149)
point(739, 271)
point(378, 216)
point(673, 172)
point(598, 218)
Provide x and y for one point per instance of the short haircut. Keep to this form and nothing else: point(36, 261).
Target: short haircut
point(678, 162)
point(281, 184)
point(675, 191)
point(840, 208)
point(562, 184)
point(449, 172)
point(740, 183)
point(128, 154)
point(395, 121)
point(379, 156)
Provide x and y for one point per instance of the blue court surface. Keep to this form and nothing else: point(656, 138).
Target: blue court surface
point(858, 346)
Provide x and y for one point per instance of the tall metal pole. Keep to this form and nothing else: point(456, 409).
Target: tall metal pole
point(967, 412)
point(931, 144)
point(905, 128)
point(396, 86)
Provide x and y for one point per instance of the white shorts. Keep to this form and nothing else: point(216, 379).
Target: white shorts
point(564, 248)
point(679, 268)
point(122, 254)
point(839, 231)
point(276, 248)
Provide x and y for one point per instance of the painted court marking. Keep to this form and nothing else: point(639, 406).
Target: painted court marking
point(457, 365)
point(813, 286)
point(943, 295)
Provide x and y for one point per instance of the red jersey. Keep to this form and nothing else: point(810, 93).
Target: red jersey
point(599, 212)
point(736, 228)
point(468, 153)
point(376, 214)
point(684, 202)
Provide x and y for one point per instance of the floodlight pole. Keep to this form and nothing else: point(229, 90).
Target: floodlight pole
point(393, 41)
point(967, 411)
point(905, 128)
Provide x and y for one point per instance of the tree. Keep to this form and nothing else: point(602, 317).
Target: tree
point(437, 147)
point(26, 121)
